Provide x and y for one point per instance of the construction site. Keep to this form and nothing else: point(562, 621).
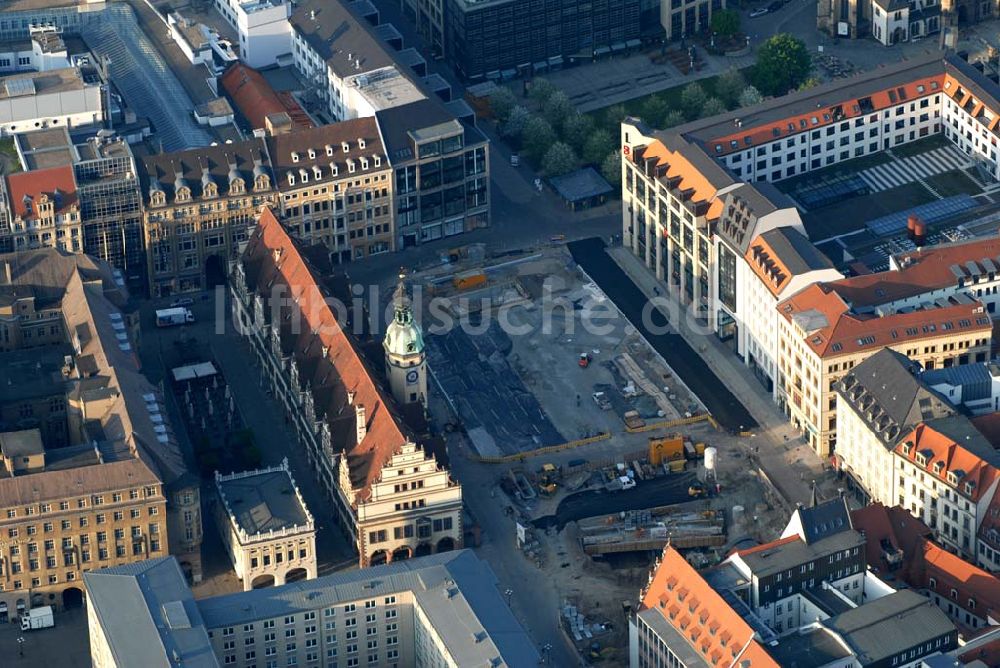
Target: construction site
point(594, 452)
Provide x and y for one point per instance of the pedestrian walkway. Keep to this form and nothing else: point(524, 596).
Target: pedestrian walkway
point(915, 168)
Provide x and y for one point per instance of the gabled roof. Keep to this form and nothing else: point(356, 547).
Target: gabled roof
point(938, 570)
point(824, 520)
point(953, 445)
point(792, 551)
point(57, 183)
point(344, 41)
point(887, 393)
point(327, 356)
point(699, 614)
point(195, 168)
point(779, 255)
point(291, 152)
point(256, 99)
point(833, 326)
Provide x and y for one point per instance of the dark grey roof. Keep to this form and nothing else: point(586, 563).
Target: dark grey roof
point(963, 432)
point(770, 560)
point(340, 37)
point(974, 81)
point(827, 599)
point(824, 520)
point(582, 184)
point(149, 616)
point(264, 502)
point(890, 625)
point(219, 163)
point(397, 122)
point(281, 147)
point(795, 251)
point(975, 380)
point(808, 648)
point(32, 373)
point(886, 392)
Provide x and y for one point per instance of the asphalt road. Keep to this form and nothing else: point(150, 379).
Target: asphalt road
point(685, 362)
point(662, 491)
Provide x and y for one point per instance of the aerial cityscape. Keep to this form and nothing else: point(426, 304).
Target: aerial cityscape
point(499, 333)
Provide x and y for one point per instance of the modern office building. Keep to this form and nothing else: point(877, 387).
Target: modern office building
point(441, 610)
point(391, 495)
point(63, 97)
point(494, 38)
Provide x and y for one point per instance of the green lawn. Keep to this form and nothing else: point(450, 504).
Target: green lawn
point(9, 162)
point(919, 146)
point(955, 182)
point(852, 214)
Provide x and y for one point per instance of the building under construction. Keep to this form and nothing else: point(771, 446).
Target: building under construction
point(651, 529)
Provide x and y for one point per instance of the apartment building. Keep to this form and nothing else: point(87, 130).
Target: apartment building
point(879, 402)
point(517, 37)
point(900, 545)
point(265, 526)
point(439, 158)
point(44, 210)
point(827, 329)
point(441, 610)
point(199, 207)
point(391, 496)
point(336, 187)
point(688, 619)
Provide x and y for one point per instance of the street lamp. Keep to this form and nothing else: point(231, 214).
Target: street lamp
point(508, 592)
point(546, 648)
point(20, 645)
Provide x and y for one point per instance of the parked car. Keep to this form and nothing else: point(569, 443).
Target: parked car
point(515, 160)
point(760, 11)
point(183, 301)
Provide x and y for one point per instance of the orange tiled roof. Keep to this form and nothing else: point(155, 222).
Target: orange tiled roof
point(697, 612)
point(32, 185)
point(327, 356)
point(954, 457)
point(950, 571)
point(767, 265)
point(256, 100)
point(767, 546)
point(687, 175)
point(822, 117)
point(895, 525)
point(921, 272)
point(841, 331)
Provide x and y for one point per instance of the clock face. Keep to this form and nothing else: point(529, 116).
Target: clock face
point(411, 377)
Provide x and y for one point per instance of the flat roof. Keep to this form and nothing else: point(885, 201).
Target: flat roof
point(772, 558)
point(815, 646)
point(264, 501)
point(21, 443)
point(41, 83)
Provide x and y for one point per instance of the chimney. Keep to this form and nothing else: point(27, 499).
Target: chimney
point(350, 398)
point(362, 425)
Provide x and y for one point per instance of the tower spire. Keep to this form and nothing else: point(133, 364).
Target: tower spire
point(401, 301)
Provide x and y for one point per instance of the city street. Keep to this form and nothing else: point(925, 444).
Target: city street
point(66, 645)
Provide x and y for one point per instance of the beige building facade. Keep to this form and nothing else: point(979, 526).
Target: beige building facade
point(265, 526)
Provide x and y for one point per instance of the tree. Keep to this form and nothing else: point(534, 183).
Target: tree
point(693, 99)
point(559, 159)
point(537, 137)
point(653, 110)
point(540, 90)
point(725, 23)
point(750, 96)
point(502, 102)
point(811, 82)
point(615, 114)
point(557, 109)
point(597, 147)
point(713, 107)
point(516, 120)
point(576, 131)
point(729, 85)
point(672, 118)
point(611, 168)
point(783, 62)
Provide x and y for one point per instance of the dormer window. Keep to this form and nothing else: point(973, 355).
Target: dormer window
point(969, 487)
point(329, 150)
point(346, 147)
point(333, 169)
point(907, 448)
point(938, 466)
point(312, 154)
point(361, 143)
point(921, 459)
point(378, 160)
point(317, 173)
point(350, 166)
point(291, 178)
point(364, 163)
point(953, 477)
point(295, 156)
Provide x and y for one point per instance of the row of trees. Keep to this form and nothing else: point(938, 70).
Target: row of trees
point(555, 137)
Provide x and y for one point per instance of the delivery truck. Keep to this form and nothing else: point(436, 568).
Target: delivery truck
point(168, 317)
point(37, 618)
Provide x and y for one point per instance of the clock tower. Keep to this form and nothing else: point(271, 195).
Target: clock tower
point(405, 358)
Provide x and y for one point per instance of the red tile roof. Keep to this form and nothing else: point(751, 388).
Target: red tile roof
point(716, 632)
point(767, 546)
point(894, 527)
point(326, 356)
point(256, 100)
point(843, 331)
point(951, 572)
point(40, 182)
point(941, 448)
point(688, 177)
